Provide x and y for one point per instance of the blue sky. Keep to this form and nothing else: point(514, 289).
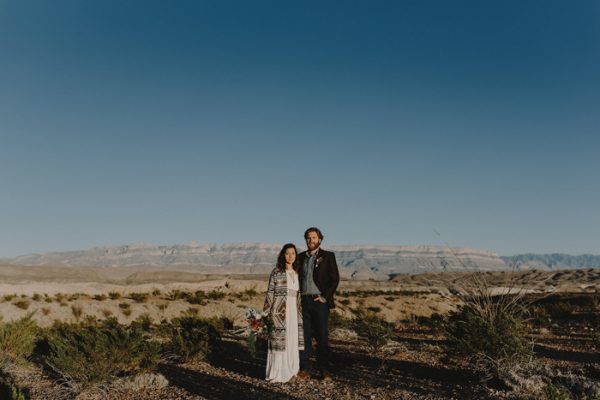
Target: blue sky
point(236, 121)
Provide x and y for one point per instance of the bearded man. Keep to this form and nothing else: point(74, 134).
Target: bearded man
point(319, 278)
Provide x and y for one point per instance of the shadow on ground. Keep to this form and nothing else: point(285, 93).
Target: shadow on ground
point(216, 388)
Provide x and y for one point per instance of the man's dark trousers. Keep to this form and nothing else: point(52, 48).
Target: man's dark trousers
point(315, 316)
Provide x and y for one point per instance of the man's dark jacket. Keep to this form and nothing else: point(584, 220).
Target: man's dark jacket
point(325, 274)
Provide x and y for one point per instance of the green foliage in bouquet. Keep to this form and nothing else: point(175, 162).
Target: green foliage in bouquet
point(260, 324)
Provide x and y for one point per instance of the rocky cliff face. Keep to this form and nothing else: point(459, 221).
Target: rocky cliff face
point(364, 261)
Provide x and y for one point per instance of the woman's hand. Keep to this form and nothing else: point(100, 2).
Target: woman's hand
point(320, 299)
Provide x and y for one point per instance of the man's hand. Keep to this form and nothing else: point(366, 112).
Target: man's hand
point(320, 299)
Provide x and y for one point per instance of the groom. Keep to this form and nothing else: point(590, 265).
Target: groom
point(319, 277)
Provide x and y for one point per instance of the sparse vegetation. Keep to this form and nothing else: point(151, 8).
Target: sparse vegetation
point(17, 339)
point(374, 309)
point(337, 320)
point(125, 309)
point(374, 330)
point(114, 295)
point(190, 312)
point(199, 297)
point(191, 338)
point(100, 297)
point(344, 302)
point(215, 295)
point(9, 297)
point(22, 304)
point(144, 323)
point(489, 330)
point(85, 354)
point(139, 297)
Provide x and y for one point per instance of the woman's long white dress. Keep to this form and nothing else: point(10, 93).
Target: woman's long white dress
point(283, 365)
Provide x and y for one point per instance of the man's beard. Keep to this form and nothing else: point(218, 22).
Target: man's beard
point(312, 246)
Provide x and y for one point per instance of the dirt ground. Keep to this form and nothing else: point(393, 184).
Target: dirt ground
point(415, 366)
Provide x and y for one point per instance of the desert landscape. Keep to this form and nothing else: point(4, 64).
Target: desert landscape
point(391, 339)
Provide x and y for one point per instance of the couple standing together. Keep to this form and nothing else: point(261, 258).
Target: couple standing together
point(299, 297)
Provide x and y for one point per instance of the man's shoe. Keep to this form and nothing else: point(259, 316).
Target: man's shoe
point(327, 376)
point(303, 375)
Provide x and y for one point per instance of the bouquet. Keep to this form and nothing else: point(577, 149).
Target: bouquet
point(260, 324)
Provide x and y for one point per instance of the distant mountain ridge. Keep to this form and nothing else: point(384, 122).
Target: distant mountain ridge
point(359, 261)
point(553, 261)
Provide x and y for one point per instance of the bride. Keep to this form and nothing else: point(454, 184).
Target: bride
point(282, 304)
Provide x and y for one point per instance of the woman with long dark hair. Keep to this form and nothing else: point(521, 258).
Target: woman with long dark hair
point(283, 305)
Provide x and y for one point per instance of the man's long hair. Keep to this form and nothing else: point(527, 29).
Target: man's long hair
point(281, 257)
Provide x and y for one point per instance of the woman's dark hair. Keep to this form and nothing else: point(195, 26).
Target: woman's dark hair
point(313, 229)
point(281, 257)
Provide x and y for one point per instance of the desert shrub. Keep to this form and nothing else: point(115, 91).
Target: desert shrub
point(190, 312)
point(246, 295)
point(162, 306)
point(435, 322)
point(156, 292)
point(374, 330)
point(143, 322)
point(199, 297)
point(191, 337)
point(77, 311)
point(114, 295)
point(9, 297)
point(86, 354)
point(36, 297)
point(215, 295)
point(374, 309)
point(22, 304)
point(106, 312)
point(553, 392)
point(100, 297)
point(45, 311)
point(48, 299)
point(495, 336)
point(59, 297)
point(337, 320)
point(344, 302)
point(125, 309)
point(17, 339)
point(139, 297)
point(177, 294)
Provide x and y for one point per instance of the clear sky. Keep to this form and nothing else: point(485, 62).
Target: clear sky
point(248, 121)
